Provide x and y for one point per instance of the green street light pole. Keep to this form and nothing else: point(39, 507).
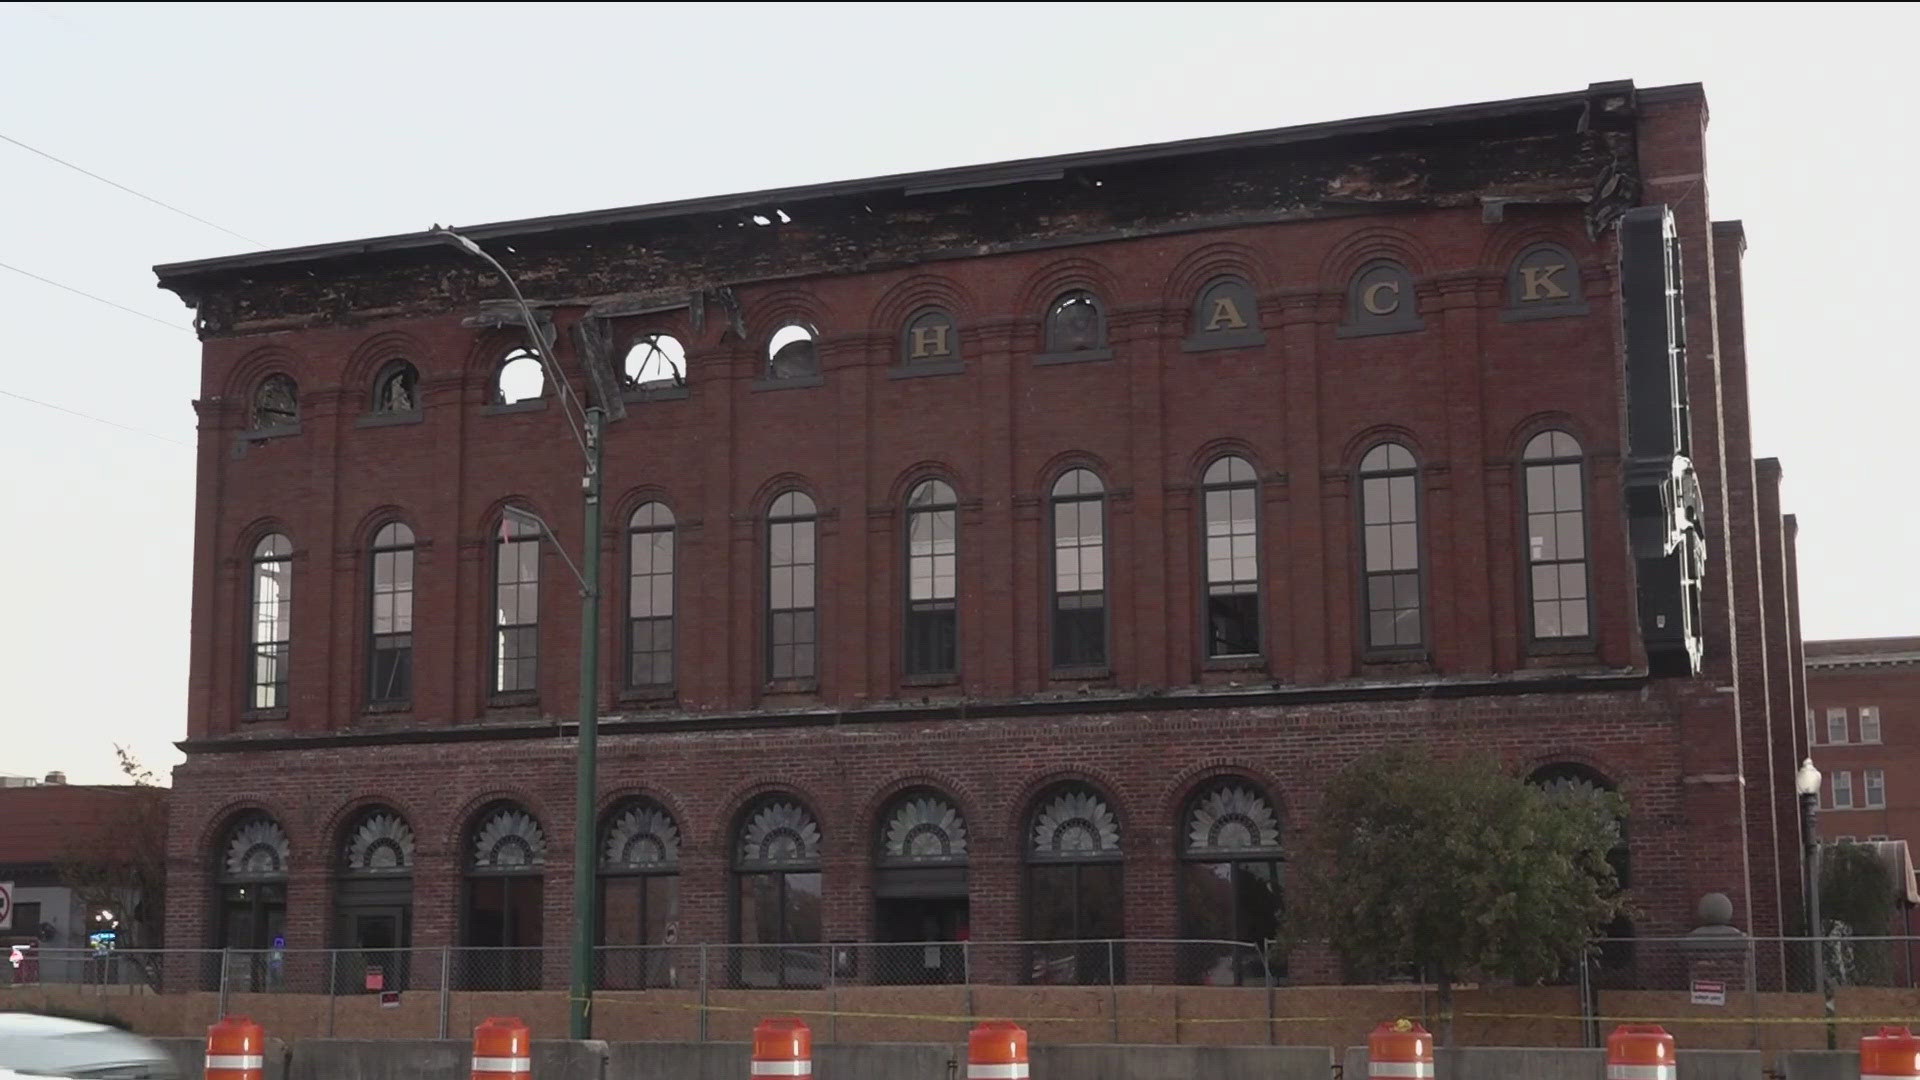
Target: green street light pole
point(586, 432)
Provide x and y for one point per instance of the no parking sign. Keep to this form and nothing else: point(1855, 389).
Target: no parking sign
point(6, 905)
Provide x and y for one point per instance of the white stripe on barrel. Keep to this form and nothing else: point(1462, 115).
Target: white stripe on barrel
point(1016, 1071)
point(1640, 1072)
point(503, 1064)
point(1416, 1070)
point(236, 1061)
point(783, 1068)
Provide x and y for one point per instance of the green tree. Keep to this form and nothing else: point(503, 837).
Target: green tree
point(1856, 900)
point(1460, 868)
point(120, 865)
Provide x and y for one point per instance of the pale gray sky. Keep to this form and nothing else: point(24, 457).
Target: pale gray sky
point(296, 124)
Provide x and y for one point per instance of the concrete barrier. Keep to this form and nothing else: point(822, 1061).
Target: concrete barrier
point(1528, 1063)
point(728, 1061)
point(190, 1056)
point(435, 1059)
point(1820, 1064)
point(1160, 1062)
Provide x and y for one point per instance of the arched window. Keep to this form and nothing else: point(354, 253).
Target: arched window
point(791, 353)
point(655, 362)
point(639, 896)
point(506, 854)
point(276, 403)
point(516, 607)
point(1390, 534)
point(1380, 300)
point(929, 338)
point(521, 378)
point(1074, 887)
point(1076, 324)
point(272, 630)
point(932, 617)
point(373, 903)
point(1556, 537)
point(1229, 883)
point(396, 390)
point(1232, 500)
point(792, 623)
point(1225, 316)
point(650, 596)
point(391, 633)
point(920, 888)
point(252, 862)
point(776, 870)
point(1575, 782)
point(1079, 570)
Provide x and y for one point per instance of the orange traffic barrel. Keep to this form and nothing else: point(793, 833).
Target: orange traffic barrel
point(502, 1049)
point(997, 1050)
point(782, 1047)
point(1640, 1052)
point(1891, 1054)
point(1400, 1050)
point(236, 1050)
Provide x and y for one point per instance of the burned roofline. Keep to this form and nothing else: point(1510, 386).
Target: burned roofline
point(175, 276)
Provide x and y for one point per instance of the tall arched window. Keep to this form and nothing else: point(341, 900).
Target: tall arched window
point(516, 607)
point(391, 633)
point(920, 887)
point(373, 903)
point(792, 622)
point(1390, 533)
point(1079, 570)
point(650, 556)
point(272, 624)
point(932, 617)
point(1556, 537)
point(253, 860)
point(639, 896)
point(276, 403)
point(1229, 883)
point(1574, 782)
point(776, 871)
point(1074, 887)
point(502, 923)
point(1233, 561)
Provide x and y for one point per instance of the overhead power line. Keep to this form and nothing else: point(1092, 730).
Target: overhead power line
point(90, 296)
point(137, 194)
point(95, 419)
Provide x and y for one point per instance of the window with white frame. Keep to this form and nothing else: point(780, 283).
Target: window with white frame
point(1876, 789)
point(1813, 729)
point(1842, 788)
point(1869, 723)
point(1837, 726)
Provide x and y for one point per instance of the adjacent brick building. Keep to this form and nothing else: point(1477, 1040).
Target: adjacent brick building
point(999, 552)
point(1863, 718)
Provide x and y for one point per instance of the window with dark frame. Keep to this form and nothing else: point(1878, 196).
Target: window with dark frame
point(503, 919)
point(1079, 570)
point(1074, 879)
point(932, 616)
point(276, 402)
point(1556, 537)
point(516, 611)
point(396, 390)
point(391, 632)
point(1230, 494)
point(1076, 322)
point(1390, 535)
point(777, 897)
point(1230, 883)
point(639, 907)
point(929, 338)
point(650, 568)
point(272, 623)
point(792, 619)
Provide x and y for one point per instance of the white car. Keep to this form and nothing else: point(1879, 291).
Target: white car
point(46, 1046)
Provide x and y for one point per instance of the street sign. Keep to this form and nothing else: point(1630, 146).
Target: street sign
point(389, 999)
point(376, 978)
point(6, 905)
point(1709, 992)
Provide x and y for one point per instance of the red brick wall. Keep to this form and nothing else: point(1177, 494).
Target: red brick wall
point(1895, 688)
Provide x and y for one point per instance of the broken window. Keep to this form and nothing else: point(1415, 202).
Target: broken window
point(791, 618)
point(930, 338)
point(516, 610)
point(276, 402)
point(1231, 495)
point(1076, 323)
point(1390, 559)
point(650, 596)
point(521, 378)
point(391, 632)
point(931, 608)
point(272, 632)
point(790, 353)
point(1079, 570)
point(656, 361)
point(397, 388)
point(1556, 536)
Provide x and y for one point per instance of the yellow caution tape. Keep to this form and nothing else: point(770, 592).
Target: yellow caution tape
point(1728, 1019)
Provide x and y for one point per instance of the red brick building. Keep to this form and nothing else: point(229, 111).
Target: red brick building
point(1002, 552)
point(1863, 718)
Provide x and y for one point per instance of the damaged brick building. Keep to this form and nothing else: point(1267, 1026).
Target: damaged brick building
point(997, 553)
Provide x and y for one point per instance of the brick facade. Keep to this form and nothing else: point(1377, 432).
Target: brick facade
point(1847, 676)
point(1299, 215)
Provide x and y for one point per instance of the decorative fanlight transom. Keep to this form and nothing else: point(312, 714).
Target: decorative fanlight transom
point(1232, 819)
point(925, 829)
point(509, 839)
point(1075, 824)
point(642, 837)
point(780, 833)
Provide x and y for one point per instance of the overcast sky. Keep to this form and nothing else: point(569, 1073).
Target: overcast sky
point(296, 124)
